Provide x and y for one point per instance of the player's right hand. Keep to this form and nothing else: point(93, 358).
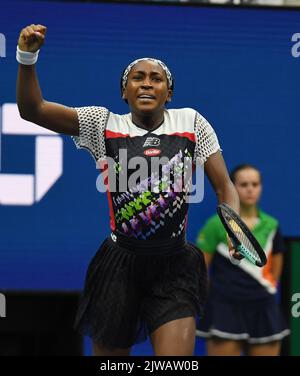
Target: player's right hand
point(234, 256)
point(32, 38)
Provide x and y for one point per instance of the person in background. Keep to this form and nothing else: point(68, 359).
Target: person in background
point(241, 313)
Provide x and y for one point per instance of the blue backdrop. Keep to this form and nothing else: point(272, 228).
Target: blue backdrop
point(235, 66)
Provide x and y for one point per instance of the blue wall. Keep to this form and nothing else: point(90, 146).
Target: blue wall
point(233, 65)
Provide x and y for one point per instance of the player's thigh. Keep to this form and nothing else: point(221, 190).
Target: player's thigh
point(175, 337)
point(224, 347)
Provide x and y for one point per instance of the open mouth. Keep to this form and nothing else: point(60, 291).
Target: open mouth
point(146, 97)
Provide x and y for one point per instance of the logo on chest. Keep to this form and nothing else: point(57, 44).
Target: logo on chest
point(152, 152)
point(152, 141)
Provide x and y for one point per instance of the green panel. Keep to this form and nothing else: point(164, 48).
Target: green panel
point(295, 288)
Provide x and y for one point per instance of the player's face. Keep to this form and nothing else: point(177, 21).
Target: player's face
point(147, 88)
point(248, 186)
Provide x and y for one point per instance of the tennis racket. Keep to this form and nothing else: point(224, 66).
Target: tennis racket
point(241, 237)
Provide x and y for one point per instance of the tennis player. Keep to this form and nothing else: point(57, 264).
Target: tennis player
point(241, 314)
point(145, 279)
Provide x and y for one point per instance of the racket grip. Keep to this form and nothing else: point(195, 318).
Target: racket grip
point(232, 259)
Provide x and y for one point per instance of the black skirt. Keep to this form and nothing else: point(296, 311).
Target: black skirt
point(132, 287)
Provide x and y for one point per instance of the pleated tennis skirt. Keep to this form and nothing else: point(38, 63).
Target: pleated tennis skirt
point(255, 321)
point(132, 287)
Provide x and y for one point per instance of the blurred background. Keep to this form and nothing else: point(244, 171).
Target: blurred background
point(237, 62)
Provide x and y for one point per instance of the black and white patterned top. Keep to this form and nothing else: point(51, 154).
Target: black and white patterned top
point(147, 173)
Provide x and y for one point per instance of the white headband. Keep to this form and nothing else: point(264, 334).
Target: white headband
point(163, 65)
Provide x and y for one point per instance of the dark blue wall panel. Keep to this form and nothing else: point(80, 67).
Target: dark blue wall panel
point(233, 65)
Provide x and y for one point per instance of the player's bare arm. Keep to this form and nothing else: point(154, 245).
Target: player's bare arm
point(32, 106)
point(217, 174)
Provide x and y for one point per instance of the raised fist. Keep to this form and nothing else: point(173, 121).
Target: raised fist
point(32, 38)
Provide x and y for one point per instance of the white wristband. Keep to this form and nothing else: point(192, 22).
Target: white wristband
point(26, 58)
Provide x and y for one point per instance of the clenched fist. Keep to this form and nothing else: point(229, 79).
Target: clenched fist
point(32, 38)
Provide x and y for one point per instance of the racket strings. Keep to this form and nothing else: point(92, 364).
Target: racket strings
point(242, 237)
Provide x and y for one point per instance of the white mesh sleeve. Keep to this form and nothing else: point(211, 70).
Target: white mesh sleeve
point(206, 139)
point(92, 123)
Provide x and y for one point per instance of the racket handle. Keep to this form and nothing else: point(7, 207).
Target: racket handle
point(232, 259)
